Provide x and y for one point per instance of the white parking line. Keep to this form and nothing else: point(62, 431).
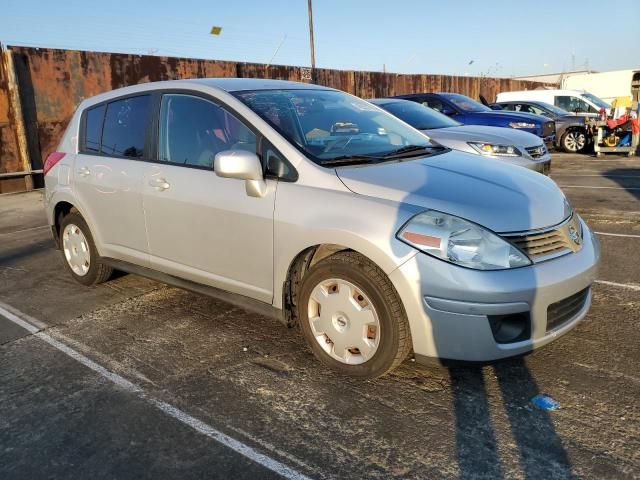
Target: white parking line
point(618, 234)
point(630, 286)
point(237, 446)
point(589, 186)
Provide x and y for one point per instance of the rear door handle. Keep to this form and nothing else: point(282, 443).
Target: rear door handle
point(159, 183)
point(84, 172)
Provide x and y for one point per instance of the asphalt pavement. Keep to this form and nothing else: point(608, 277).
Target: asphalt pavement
point(135, 379)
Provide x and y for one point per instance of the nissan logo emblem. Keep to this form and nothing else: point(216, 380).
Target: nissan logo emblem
point(573, 234)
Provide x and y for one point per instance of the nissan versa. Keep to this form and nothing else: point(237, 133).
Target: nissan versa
point(324, 210)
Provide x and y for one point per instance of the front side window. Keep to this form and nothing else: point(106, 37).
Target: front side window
point(125, 127)
point(93, 129)
point(526, 108)
point(434, 103)
point(193, 130)
point(553, 109)
point(573, 104)
point(330, 125)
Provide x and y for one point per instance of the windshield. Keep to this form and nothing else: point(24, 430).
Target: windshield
point(595, 100)
point(419, 116)
point(466, 104)
point(329, 125)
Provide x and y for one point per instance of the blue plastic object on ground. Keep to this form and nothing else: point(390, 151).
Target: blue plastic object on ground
point(545, 402)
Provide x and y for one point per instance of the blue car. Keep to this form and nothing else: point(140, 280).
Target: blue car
point(469, 112)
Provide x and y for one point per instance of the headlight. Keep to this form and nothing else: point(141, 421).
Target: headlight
point(522, 125)
point(461, 242)
point(495, 150)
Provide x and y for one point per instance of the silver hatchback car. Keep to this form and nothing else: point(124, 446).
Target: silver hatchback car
point(319, 208)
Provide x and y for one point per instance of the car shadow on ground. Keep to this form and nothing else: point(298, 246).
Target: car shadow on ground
point(627, 178)
point(538, 445)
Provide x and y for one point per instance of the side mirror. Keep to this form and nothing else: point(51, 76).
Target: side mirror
point(242, 165)
point(449, 112)
point(495, 107)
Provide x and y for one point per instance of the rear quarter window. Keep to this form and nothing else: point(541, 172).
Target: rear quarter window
point(125, 127)
point(93, 129)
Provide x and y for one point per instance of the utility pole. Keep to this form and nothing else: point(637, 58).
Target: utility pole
point(313, 56)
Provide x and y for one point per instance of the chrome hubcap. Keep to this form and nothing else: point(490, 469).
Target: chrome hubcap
point(344, 322)
point(575, 141)
point(76, 249)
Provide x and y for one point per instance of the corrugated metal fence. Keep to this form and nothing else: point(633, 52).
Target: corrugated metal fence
point(52, 82)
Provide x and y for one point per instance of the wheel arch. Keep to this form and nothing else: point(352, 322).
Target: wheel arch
point(299, 265)
point(62, 206)
point(573, 127)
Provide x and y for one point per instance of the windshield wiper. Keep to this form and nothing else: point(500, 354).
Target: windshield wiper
point(411, 149)
point(349, 159)
point(399, 153)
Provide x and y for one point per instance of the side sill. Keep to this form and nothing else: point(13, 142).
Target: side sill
point(235, 299)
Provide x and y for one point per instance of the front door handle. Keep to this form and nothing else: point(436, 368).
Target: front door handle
point(84, 172)
point(159, 184)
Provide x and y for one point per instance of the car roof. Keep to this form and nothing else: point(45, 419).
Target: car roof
point(239, 84)
point(224, 84)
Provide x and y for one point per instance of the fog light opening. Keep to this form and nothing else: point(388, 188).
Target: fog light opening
point(511, 328)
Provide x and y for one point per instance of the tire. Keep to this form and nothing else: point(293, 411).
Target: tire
point(78, 236)
point(573, 141)
point(362, 291)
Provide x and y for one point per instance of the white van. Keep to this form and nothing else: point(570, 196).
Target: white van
point(607, 85)
point(579, 102)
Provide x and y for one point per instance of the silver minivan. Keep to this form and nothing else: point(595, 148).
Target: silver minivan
point(314, 206)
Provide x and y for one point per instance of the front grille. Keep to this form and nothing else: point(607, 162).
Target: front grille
point(563, 311)
point(536, 152)
point(546, 244)
point(549, 128)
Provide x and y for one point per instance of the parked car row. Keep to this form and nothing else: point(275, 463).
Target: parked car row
point(510, 145)
point(526, 111)
point(329, 213)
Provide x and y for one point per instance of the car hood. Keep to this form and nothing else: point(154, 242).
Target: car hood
point(501, 197)
point(478, 133)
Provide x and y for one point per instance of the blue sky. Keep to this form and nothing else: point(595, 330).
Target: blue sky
point(501, 37)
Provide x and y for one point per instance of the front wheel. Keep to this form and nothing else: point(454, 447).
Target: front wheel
point(573, 141)
point(351, 316)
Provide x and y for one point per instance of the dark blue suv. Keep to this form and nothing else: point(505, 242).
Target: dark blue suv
point(469, 112)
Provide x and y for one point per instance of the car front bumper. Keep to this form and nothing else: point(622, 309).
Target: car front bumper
point(449, 307)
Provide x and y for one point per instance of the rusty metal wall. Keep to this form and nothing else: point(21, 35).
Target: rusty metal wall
point(52, 82)
point(10, 159)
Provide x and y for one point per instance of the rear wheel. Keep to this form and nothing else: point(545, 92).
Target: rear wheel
point(351, 316)
point(79, 251)
point(573, 141)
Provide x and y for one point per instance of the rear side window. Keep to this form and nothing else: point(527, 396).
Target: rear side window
point(93, 129)
point(193, 130)
point(125, 127)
